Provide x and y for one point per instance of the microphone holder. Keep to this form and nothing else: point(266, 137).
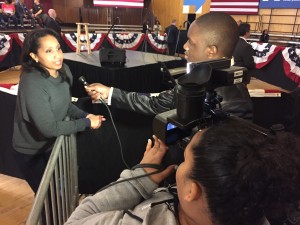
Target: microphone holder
point(177, 41)
point(112, 27)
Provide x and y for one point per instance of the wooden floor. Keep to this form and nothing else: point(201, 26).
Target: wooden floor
point(16, 197)
point(10, 76)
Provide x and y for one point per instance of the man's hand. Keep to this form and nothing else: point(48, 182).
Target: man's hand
point(97, 90)
point(154, 155)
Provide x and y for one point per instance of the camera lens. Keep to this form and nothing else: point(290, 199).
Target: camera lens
point(191, 92)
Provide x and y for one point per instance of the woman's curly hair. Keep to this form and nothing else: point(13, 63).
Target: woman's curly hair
point(245, 174)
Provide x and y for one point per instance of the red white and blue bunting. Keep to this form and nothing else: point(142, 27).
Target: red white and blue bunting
point(264, 53)
point(95, 41)
point(5, 46)
point(291, 63)
point(129, 41)
point(19, 37)
point(157, 42)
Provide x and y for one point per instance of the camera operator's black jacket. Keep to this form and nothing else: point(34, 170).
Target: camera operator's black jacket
point(236, 100)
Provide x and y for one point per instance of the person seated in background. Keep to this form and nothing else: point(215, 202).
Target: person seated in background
point(38, 14)
point(172, 37)
point(227, 177)
point(22, 12)
point(211, 36)
point(2, 25)
point(9, 12)
point(156, 27)
point(243, 53)
point(264, 38)
point(51, 21)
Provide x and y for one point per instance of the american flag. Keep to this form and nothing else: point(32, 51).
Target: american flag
point(120, 3)
point(235, 6)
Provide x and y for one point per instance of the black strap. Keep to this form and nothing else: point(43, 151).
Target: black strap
point(133, 216)
point(148, 165)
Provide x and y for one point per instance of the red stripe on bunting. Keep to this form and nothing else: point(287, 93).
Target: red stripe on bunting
point(291, 63)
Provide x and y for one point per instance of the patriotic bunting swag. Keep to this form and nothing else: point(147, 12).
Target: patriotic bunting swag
point(264, 53)
point(5, 46)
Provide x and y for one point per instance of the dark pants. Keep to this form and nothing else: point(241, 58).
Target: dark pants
point(6, 19)
point(32, 167)
point(172, 48)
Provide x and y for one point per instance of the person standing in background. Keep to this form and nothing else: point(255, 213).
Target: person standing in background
point(243, 53)
point(51, 21)
point(172, 37)
point(156, 27)
point(146, 27)
point(43, 102)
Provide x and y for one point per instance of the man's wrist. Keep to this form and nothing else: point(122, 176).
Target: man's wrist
point(110, 96)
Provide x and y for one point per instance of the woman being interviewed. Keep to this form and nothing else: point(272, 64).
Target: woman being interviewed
point(43, 102)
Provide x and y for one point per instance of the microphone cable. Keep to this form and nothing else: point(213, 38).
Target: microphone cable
point(116, 131)
point(85, 83)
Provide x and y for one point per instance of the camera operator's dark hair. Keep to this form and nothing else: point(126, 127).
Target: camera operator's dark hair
point(220, 30)
point(244, 173)
point(244, 28)
point(32, 44)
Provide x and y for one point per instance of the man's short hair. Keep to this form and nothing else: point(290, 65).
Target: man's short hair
point(220, 30)
point(244, 28)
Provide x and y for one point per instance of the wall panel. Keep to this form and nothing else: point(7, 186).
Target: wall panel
point(277, 20)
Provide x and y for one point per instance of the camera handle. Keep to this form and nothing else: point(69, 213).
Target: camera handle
point(212, 100)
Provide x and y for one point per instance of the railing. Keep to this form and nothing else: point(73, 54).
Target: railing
point(104, 28)
point(57, 196)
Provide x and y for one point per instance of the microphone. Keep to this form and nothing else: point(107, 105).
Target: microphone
point(112, 57)
point(83, 81)
point(186, 22)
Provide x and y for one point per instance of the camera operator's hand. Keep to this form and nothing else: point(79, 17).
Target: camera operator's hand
point(97, 90)
point(154, 155)
point(96, 120)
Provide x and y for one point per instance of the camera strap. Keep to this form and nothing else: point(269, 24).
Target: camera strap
point(148, 165)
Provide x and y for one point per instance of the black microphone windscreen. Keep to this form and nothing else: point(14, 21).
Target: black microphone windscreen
point(83, 81)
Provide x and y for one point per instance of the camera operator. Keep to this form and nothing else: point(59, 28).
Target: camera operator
point(228, 177)
point(212, 36)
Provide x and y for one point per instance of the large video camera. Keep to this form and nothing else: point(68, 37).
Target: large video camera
point(197, 103)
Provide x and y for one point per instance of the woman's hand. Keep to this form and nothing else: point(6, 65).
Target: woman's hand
point(96, 120)
point(154, 155)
